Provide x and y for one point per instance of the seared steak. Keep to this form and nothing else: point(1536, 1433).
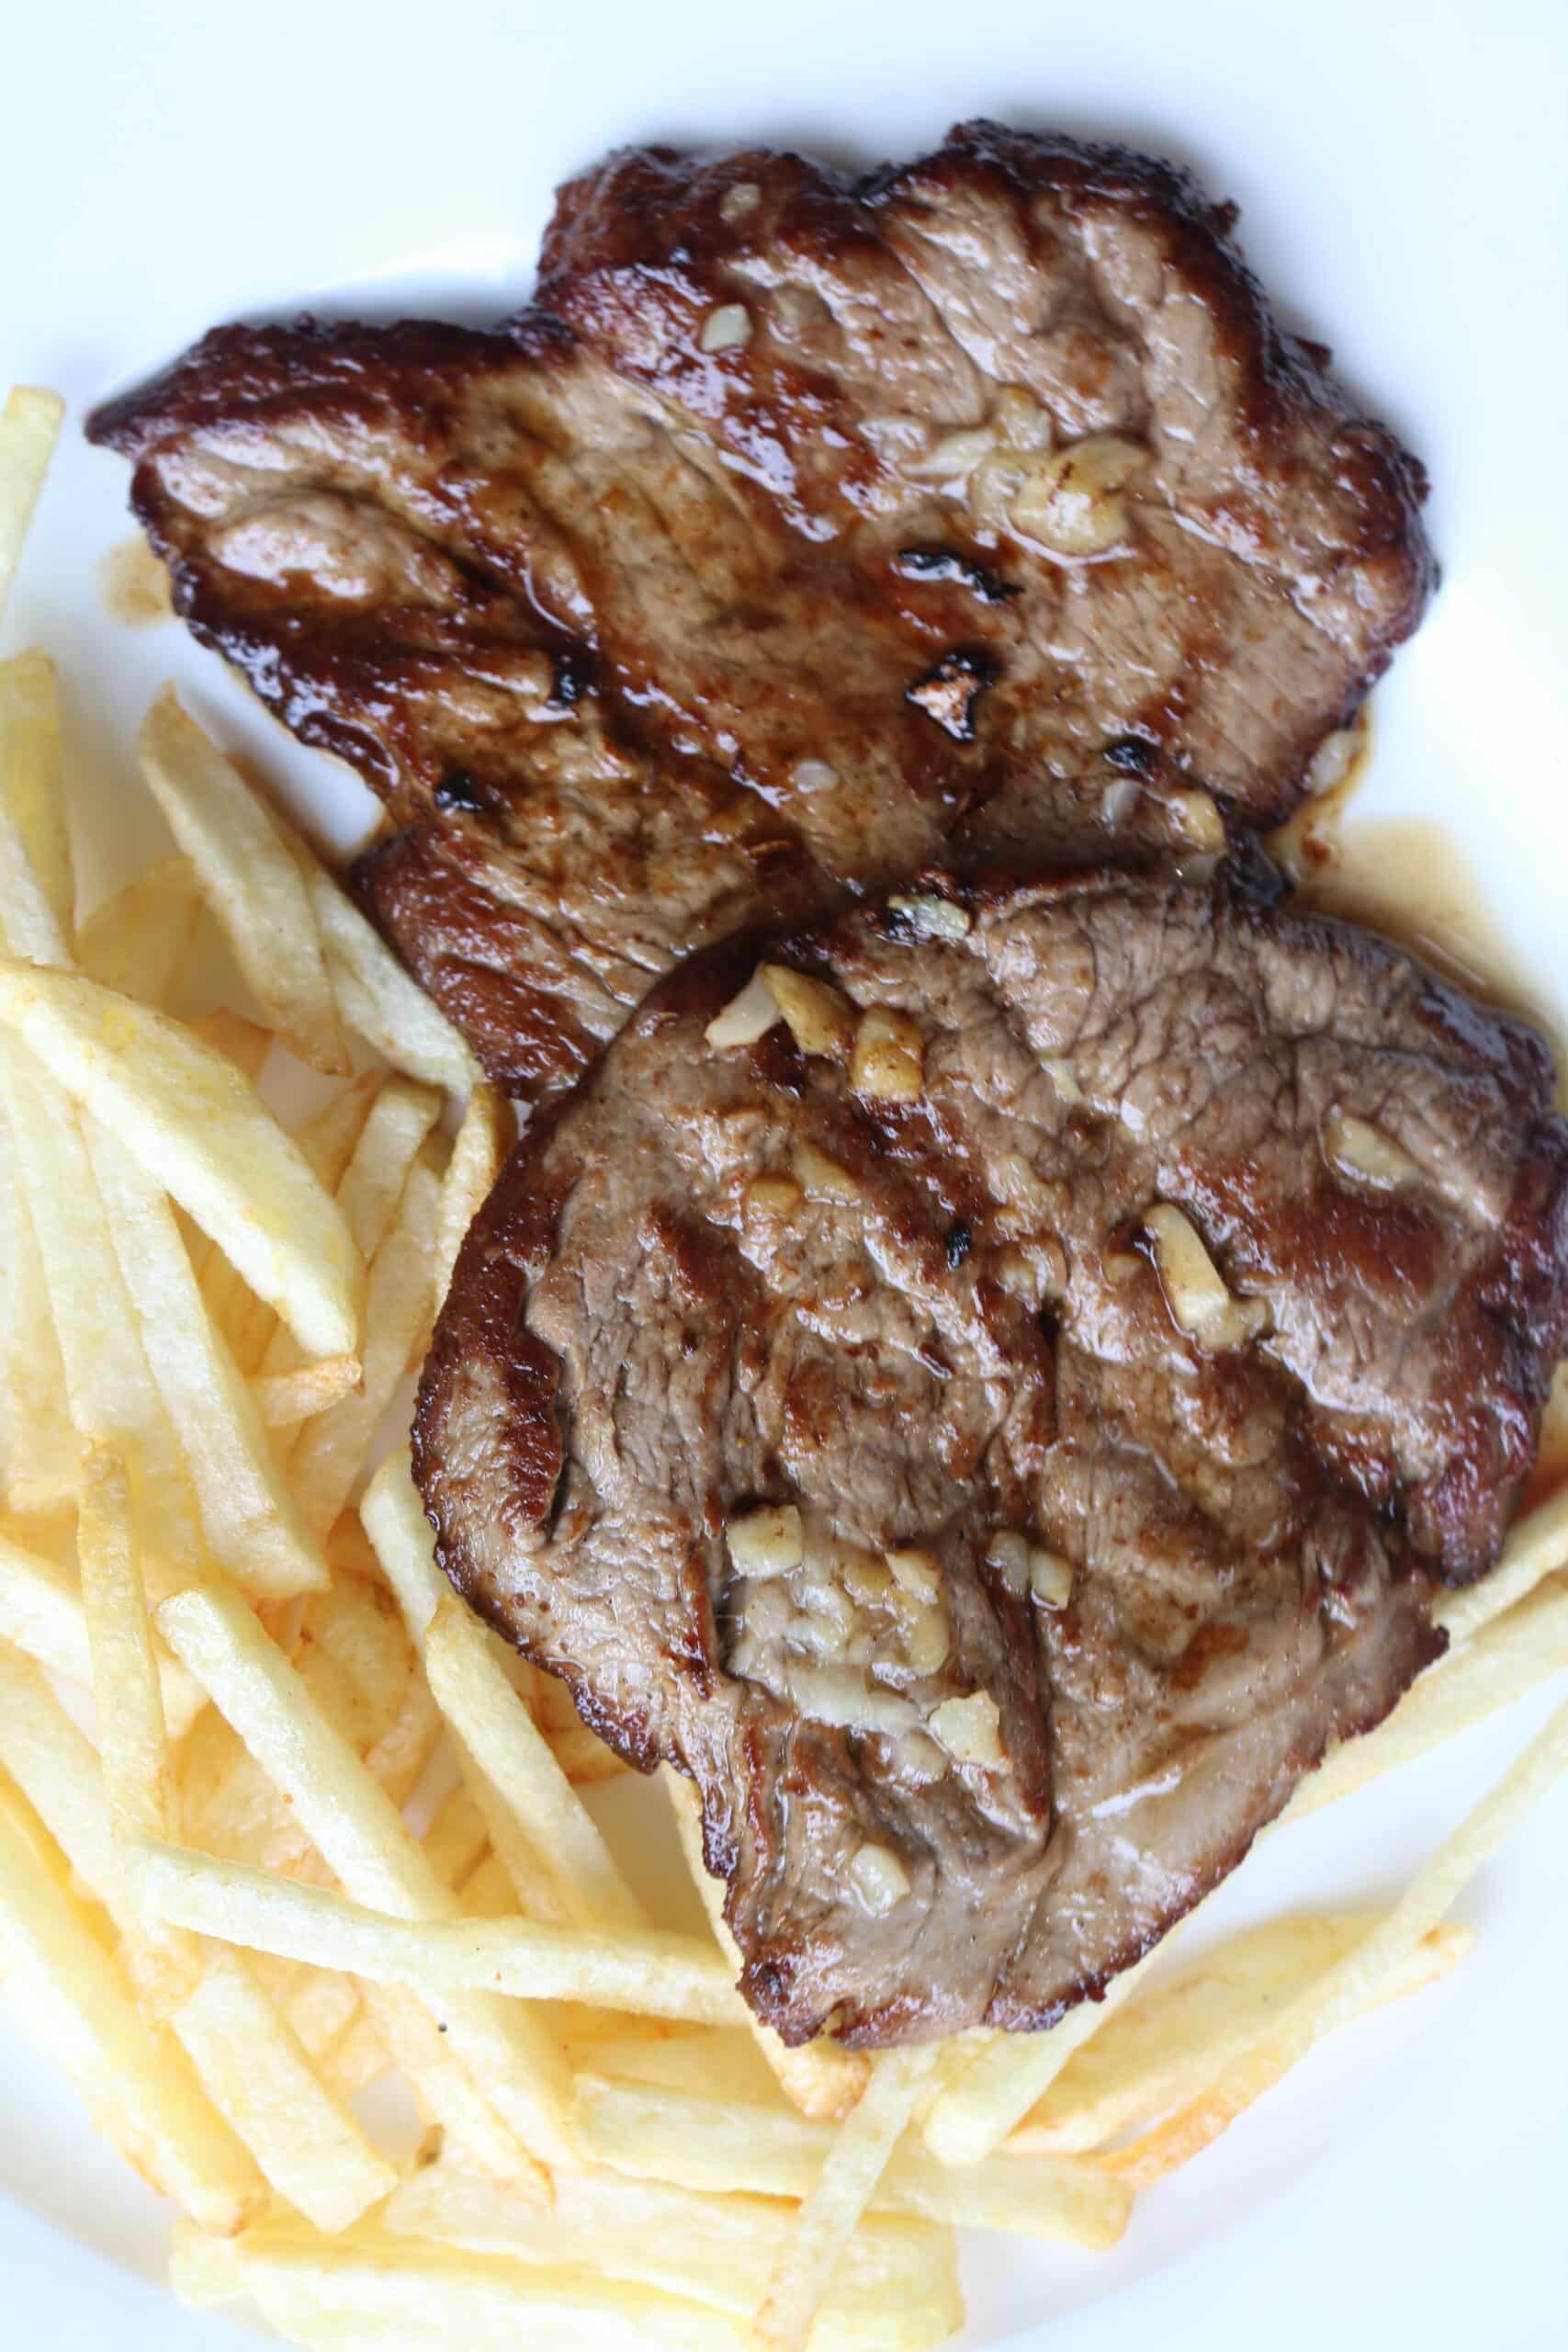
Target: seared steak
point(803, 531)
point(995, 1424)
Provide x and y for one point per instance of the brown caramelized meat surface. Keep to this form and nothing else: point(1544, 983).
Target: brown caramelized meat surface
point(801, 531)
point(995, 1425)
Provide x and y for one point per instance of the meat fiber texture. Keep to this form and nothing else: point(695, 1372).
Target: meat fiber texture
point(840, 1419)
point(803, 530)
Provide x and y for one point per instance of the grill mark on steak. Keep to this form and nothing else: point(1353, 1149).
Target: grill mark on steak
point(950, 688)
point(955, 1336)
point(621, 627)
point(946, 563)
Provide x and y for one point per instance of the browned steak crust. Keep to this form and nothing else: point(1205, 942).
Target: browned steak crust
point(804, 530)
point(925, 1302)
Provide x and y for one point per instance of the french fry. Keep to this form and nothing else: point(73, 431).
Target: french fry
point(1537, 1545)
point(1362, 1978)
point(139, 942)
point(41, 1614)
point(357, 1133)
point(838, 2197)
point(137, 2085)
point(370, 1195)
point(143, 1801)
point(495, 1728)
point(55, 1765)
point(821, 2079)
point(403, 1543)
point(537, 1821)
point(719, 2143)
point(1505, 1657)
point(374, 1181)
point(690, 2059)
point(456, 1838)
point(284, 1399)
point(356, 1625)
point(108, 1385)
point(30, 426)
point(255, 2072)
point(897, 2288)
point(37, 1443)
point(250, 2063)
point(1162, 2050)
point(449, 2095)
point(260, 1343)
point(491, 1892)
point(330, 1139)
point(28, 924)
point(240, 1041)
point(251, 1520)
point(1006, 2075)
point(319, 2007)
point(584, 1756)
point(231, 1807)
point(231, 1302)
point(475, 1164)
point(29, 777)
point(136, 585)
point(204, 2271)
point(352, 1635)
point(333, 1692)
point(359, 1832)
point(142, 1794)
point(252, 882)
point(354, 2293)
point(644, 1970)
point(514, 1875)
point(325, 1465)
point(49, 1532)
point(399, 1756)
point(376, 997)
point(237, 1812)
point(205, 1134)
point(356, 2058)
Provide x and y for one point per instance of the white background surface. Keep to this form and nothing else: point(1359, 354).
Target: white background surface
point(1402, 172)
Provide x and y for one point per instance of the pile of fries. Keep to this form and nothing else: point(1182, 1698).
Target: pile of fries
point(280, 1822)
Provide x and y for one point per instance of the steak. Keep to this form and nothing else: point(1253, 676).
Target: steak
point(803, 531)
point(990, 1397)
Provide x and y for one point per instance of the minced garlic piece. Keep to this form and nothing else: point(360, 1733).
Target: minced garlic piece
point(768, 1542)
point(879, 1878)
point(1194, 1291)
point(1357, 1148)
point(915, 1572)
point(821, 1019)
point(746, 1017)
point(888, 1059)
point(970, 1729)
point(1071, 503)
point(823, 1178)
point(933, 918)
point(727, 328)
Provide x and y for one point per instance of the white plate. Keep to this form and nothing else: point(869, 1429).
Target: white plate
point(1400, 174)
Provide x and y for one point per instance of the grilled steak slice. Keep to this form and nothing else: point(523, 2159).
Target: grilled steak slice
point(1139, 1292)
point(804, 531)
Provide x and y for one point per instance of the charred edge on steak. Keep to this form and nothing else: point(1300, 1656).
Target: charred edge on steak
point(458, 793)
point(948, 691)
point(947, 563)
point(1133, 755)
